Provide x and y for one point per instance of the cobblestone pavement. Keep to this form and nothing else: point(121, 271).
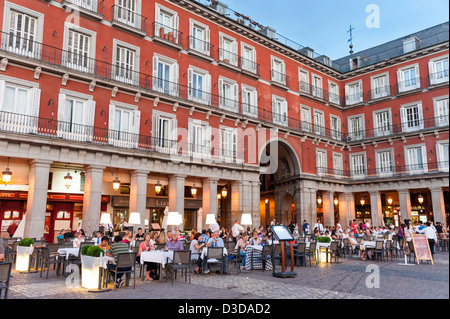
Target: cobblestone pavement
point(345, 280)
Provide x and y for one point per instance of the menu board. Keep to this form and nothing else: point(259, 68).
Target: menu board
point(282, 233)
point(422, 248)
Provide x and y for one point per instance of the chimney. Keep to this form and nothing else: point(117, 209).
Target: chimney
point(307, 51)
point(220, 7)
point(324, 59)
point(269, 32)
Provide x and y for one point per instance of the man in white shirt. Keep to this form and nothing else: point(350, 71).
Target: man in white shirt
point(215, 227)
point(431, 236)
point(236, 231)
point(319, 226)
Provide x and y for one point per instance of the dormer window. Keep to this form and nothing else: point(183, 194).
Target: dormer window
point(410, 44)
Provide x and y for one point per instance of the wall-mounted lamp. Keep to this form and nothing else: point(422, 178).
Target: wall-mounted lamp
point(6, 175)
point(53, 106)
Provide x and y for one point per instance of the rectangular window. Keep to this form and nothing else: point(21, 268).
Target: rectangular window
point(199, 39)
point(124, 124)
point(164, 132)
point(278, 71)
point(337, 165)
point(335, 127)
point(443, 155)
point(15, 100)
point(408, 79)
point(304, 81)
point(22, 33)
point(416, 159)
point(356, 128)
point(280, 111)
point(334, 93)
point(228, 95)
point(382, 123)
point(78, 49)
point(321, 162)
point(412, 117)
point(316, 87)
point(125, 65)
point(354, 93)
point(319, 123)
point(228, 51)
point(248, 59)
point(438, 71)
point(199, 86)
point(249, 101)
point(228, 139)
point(441, 111)
point(384, 163)
point(165, 76)
point(380, 87)
point(358, 165)
point(306, 119)
point(200, 139)
point(126, 12)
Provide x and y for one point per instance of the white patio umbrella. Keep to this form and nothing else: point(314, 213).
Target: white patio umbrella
point(20, 231)
point(166, 214)
point(200, 220)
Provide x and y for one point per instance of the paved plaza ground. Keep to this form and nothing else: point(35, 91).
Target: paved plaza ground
point(345, 280)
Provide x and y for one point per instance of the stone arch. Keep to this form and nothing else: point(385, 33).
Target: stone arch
point(287, 158)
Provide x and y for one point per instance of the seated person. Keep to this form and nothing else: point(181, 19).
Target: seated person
point(116, 248)
point(174, 244)
point(127, 239)
point(139, 235)
point(151, 267)
point(315, 234)
point(104, 243)
point(98, 238)
point(242, 243)
point(61, 235)
point(195, 249)
point(255, 240)
point(77, 242)
point(216, 241)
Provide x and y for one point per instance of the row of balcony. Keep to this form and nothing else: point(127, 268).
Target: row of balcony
point(391, 171)
point(117, 72)
point(36, 126)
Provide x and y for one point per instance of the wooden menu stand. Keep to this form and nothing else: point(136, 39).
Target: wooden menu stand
point(283, 235)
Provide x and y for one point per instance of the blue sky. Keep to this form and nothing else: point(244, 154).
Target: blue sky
point(323, 24)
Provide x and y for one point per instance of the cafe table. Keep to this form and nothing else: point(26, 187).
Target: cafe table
point(160, 257)
point(69, 251)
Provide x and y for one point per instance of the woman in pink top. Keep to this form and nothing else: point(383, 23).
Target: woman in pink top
point(146, 246)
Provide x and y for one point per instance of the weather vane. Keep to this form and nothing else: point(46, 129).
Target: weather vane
point(351, 38)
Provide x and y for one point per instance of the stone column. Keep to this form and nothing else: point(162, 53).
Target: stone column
point(37, 199)
point(176, 196)
point(376, 209)
point(256, 200)
point(313, 204)
point(138, 195)
point(236, 200)
point(299, 208)
point(437, 198)
point(209, 199)
point(328, 208)
point(345, 208)
point(92, 201)
point(405, 204)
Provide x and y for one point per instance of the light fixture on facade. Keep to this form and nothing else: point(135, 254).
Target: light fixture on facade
point(224, 192)
point(68, 180)
point(420, 199)
point(319, 199)
point(266, 201)
point(6, 175)
point(194, 190)
point(390, 201)
point(158, 187)
point(219, 196)
point(362, 201)
point(116, 182)
point(336, 201)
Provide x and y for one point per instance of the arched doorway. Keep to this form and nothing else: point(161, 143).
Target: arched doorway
point(279, 166)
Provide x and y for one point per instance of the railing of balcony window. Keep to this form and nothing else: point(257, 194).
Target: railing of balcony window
point(409, 85)
point(279, 77)
point(129, 17)
point(164, 32)
point(228, 57)
point(334, 98)
point(304, 87)
point(385, 172)
point(315, 91)
point(227, 103)
point(438, 77)
point(96, 6)
point(250, 66)
point(351, 99)
point(379, 93)
point(201, 46)
point(249, 109)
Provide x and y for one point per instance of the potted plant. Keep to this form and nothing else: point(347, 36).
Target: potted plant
point(323, 239)
point(90, 266)
point(24, 250)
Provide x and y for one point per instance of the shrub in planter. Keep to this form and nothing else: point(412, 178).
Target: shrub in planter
point(323, 239)
point(84, 249)
point(26, 242)
point(95, 251)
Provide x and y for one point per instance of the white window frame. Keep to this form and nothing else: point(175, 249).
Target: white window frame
point(380, 92)
point(232, 145)
point(403, 117)
point(363, 162)
point(20, 123)
point(253, 104)
point(319, 122)
point(322, 168)
point(356, 136)
point(169, 86)
point(134, 15)
point(230, 56)
point(335, 132)
point(356, 98)
point(415, 83)
point(169, 144)
point(413, 170)
point(443, 75)
point(381, 167)
point(122, 138)
point(134, 80)
point(277, 117)
point(316, 90)
point(36, 51)
point(206, 42)
point(443, 166)
point(246, 63)
point(306, 123)
point(160, 25)
point(206, 85)
point(279, 76)
point(384, 129)
point(441, 119)
point(334, 96)
point(303, 81)
point(204, 144)
point(338, 171)
point(92, 35)
point(230, 103)
point(85, 131)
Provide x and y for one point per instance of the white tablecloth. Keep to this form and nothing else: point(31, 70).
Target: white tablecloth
point(156, 256)
point(319, 245)
point(69, 251)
